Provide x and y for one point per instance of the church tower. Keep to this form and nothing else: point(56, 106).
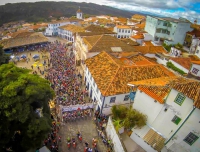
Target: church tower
point(79, 14)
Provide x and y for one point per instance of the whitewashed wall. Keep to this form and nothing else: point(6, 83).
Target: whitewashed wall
point(147, 106)
point(119, 101)
point(196, 66)
point(179, 66)
point(137, 136)
point(191, 125)
point(111, 133)
point(163, 122)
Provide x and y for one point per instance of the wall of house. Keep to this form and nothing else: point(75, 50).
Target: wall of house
point(137, 136)
point(197, 51)
point(52, 29)
point(196, 66)
point(180, 32)
point(161, 60)
point(111, 133)
point(179, 66)
point(93, 90)
point(147, 106)
point(191, 125)
point(147, 37)
point(150, 26)
point(118, 101)
point(68, 35)
point(122, 33)
point(163, 122)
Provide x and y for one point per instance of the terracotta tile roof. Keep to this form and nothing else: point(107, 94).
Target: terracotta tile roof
point(159, 88)
point(59, 21)
point(123, 27)
point(138, 36)
point(150, 49)
point(73, 28)
point(99, 29)
point(121, 19)
point(79, 11)
point(104, 43)
point(195, 32)
point(184, 62)
point(194, 58)
point(142, 25)
point(25, 38)
point(137, 16)
point(83, 34)
point(196, 62)
point(130, 42)
point(120, 71)
point(148, 43)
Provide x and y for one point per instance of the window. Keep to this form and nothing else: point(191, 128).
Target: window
point(165, 24)
point(119, 30)
point(94, 84)
point(129, 31)
point(122, 31)
point(158, 30)
point(195, 71)
point(179, 99)
point(190, 138)
point(176, 120)
point(126, 97)
point(125, 31)
point(197, 51)
point(112, 99)
point(118, 36)
point(97, 90)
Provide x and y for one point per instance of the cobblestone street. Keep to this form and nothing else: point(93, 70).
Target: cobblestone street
point(88, 130)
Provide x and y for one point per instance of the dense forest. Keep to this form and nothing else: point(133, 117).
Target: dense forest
point(40, 11)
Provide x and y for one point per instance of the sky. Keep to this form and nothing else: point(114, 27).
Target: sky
point(189, 9)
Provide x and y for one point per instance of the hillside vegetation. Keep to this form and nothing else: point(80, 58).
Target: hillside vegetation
point(40, 11)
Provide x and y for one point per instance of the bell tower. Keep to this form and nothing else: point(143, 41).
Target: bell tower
point(79, 14)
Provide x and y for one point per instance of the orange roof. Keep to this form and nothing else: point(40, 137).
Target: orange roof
point(98, 43)
point(79, 11)
point(123, 26)
point(142, 25)
point(73, 28)
point(148, 43)
point(150, 49)
point(195, 32)
point(120, 71)
point(184, 62)
point(137, 16)
point(138, 36)
point(159, 88)
point(196, 62)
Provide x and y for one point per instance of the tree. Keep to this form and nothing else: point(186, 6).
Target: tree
point(24, 111)
point(134, 118)
point(127, 117)
point(4, 58)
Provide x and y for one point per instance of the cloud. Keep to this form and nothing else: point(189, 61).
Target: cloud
point(189, 9)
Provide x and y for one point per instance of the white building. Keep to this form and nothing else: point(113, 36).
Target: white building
point(195, 69)
point(68, 32)
point(79, 14)
point(183, 63)
point(172, 30)
point(123, 31)
point(52, 29)
point(106, 77)
point(172, 112)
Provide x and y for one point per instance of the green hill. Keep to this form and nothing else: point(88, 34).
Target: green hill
point(40, 11)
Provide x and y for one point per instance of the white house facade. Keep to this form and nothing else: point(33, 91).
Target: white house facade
point(172, 30)
point(195, 69)
point(52, 29)
point(169, 114)
point(123, 31)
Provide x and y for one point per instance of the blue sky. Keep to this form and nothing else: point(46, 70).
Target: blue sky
point(189, 9)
